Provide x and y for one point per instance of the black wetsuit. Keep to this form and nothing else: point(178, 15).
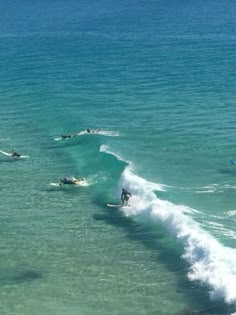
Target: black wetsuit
point(15, 154)
point(66, 136)
point(67, 180)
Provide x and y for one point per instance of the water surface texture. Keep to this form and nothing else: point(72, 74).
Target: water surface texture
point(158, 79)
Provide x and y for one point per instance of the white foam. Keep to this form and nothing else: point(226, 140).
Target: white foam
point(211, 188)
point(105, 148)
point(220, 229)
point(107, 133)
point(210, 262)
point(206, 191)
point(230, 213)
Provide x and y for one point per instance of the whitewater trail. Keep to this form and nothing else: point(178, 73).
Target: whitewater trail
point(210, 262)
point(106, 133)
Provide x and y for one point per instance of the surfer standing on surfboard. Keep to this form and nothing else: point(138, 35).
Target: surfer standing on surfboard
point(125, 195)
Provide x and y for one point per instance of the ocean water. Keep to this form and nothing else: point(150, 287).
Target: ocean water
point(159, 79)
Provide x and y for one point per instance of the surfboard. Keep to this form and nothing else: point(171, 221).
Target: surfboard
point(54, 184)
point(73, 136)
point(80, 183)
point(233, 161)
point(5, 153)
point(114, 206)
point(17, 157)
point(67, 138)
point(59, 139)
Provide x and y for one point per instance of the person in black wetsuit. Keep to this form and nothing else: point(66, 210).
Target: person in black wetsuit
point(15, 154)
point(68, 136)
point(70, 181)
point(125, 195)
point(93, 131)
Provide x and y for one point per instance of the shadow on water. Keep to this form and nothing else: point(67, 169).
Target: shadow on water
point(17, 276)
point(155, 241)
point(63, 145)
point(228, 171)
point(11, 160)
point(66, 189)
point(69, 142)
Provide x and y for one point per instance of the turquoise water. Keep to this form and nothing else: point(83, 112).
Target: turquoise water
point(158, 78)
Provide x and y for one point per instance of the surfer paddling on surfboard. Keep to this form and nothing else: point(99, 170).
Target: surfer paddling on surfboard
point(70, 181)
point(63, 137)
point(93, 131)
point(15, 154)
point(125, 195)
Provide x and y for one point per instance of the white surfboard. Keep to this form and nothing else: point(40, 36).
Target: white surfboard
point(114, 206)
point(59, 139)
point(54, 184)
point(5, 153)
point(17, 157)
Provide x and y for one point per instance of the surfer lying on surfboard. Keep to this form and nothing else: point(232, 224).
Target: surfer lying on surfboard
point(70, 181)
point(93, 131)
point(125, 195)
point(63, 137)
point(15, 154)
point(68, 136)
point(73, 135)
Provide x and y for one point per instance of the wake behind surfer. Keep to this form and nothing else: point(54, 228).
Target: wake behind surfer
point(125, 195)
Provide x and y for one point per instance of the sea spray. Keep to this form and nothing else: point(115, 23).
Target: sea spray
point(210, 262)
point(105, 148)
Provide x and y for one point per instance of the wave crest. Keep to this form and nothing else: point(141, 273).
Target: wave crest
point(210, 262)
